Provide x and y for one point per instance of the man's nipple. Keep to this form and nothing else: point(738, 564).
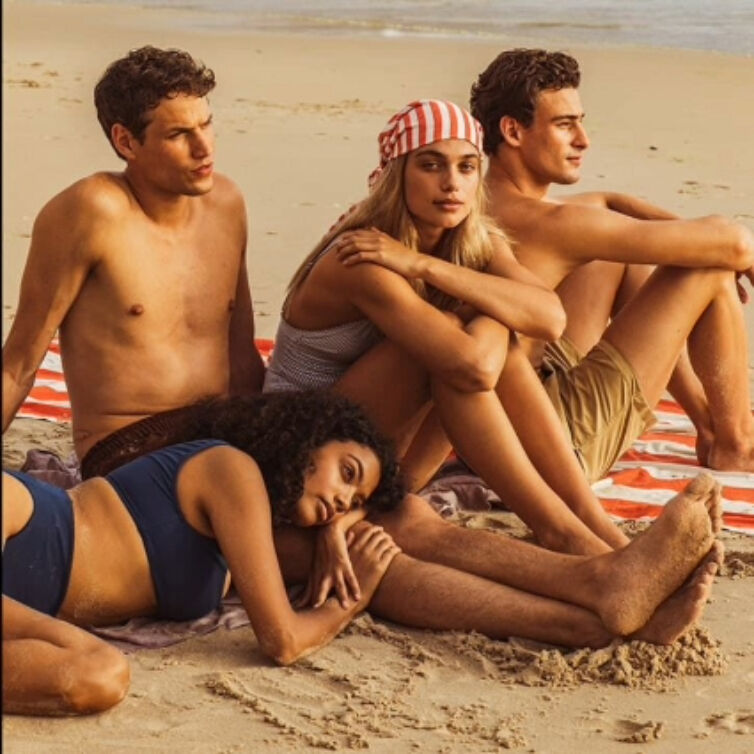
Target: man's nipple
point(136, 310)
point(231, 305)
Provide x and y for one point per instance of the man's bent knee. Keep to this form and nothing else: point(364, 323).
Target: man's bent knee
point(410, 520)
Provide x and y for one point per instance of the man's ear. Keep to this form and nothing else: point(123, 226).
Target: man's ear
point(510, 130)
point(123, 141)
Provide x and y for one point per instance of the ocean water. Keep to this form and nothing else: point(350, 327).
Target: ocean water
point(721, 25)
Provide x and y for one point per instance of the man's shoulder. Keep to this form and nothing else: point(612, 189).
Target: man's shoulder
point(226, 193)
point(91, 197)
point(517, 211)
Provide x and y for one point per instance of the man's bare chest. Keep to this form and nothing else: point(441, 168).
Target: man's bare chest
point(190, 286)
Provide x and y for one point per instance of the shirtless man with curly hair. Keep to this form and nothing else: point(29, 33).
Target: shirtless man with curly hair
point(142, 271)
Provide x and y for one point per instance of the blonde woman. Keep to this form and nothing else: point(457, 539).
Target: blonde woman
point(413, 305)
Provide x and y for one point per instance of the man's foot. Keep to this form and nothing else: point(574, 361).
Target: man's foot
point(730, 459)
point(704, 441)
point(680, 612)
point(639, 577)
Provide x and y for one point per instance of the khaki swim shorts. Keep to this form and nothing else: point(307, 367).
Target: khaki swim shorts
point(598, 400)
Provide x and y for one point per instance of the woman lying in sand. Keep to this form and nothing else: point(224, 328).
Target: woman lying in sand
point(217, 517)
point(410, 306)
point(164, 534)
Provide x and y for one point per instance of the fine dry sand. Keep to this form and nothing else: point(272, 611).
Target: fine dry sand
point(297, 118)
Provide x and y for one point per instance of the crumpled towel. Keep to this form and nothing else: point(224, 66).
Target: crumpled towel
point(148, 633)
point(50, 467)
point(456, 488)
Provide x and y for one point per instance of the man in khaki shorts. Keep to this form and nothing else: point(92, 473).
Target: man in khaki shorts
point(598, 251)
point(598, 399)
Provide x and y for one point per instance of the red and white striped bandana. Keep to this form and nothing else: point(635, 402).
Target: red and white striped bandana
point(425, 122)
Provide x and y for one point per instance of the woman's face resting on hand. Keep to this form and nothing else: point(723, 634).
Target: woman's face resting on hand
point(341, 476)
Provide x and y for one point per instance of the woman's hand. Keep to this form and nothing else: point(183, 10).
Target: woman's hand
point(331, 568)
point(372, 245)
point(372, 550)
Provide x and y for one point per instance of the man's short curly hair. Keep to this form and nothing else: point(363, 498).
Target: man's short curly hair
point(511, 84)
point(281, 431)
point(135, 84)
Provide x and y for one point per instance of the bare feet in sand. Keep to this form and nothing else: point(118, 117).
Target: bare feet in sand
point(642, 575)
point(680, 612)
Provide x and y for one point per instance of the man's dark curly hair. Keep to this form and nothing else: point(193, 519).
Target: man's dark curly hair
point(511, 84)
point(135, 84)
point(281, 431)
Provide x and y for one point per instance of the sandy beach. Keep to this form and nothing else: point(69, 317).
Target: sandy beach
point(297, 117)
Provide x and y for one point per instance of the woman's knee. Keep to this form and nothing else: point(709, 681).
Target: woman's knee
point(94, 680)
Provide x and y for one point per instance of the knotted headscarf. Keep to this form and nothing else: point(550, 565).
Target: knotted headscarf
point(421, 123)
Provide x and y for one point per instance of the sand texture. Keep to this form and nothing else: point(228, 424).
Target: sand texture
point(297, 117)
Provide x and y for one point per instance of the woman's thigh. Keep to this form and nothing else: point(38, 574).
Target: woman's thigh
point(392, 387)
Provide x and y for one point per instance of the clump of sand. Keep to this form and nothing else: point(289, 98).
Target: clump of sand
point(738, 564)
point(635, 664)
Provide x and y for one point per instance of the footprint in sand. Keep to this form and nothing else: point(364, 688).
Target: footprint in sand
point(741, 722)
point(738, 565)
point(634, 732)
point(26, 83)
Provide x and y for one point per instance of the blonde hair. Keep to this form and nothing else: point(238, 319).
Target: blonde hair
point(467, 245)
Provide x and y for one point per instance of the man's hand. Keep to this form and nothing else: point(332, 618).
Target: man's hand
point(743, 294)
point(372, 245)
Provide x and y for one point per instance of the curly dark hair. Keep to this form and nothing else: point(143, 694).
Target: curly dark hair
point(135, 84)
point(281, 431)
point(511, 84)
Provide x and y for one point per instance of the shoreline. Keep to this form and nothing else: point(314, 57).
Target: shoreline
point(381, 22)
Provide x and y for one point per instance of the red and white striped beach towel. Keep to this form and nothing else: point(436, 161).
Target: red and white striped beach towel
point(646, 477)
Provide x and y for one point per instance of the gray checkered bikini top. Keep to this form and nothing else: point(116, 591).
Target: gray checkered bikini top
point(309, 359)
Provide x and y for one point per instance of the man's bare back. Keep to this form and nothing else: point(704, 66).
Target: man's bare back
point(144, 274)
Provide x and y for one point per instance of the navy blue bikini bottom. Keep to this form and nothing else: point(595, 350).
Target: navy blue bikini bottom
point(188, 570)
point(37, 560)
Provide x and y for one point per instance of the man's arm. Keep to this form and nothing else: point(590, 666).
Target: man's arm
point(538, 316)
point(246, 366)
point(586, 232)
point(56, 268)
point(632, 206)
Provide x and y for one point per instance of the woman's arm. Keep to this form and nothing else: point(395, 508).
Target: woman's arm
point(231, 494)
point(505, 290)
point(331, 566)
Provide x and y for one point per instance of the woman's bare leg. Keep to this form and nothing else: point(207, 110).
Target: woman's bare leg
point(542, 437)
point(51, 667)
point(393, 390)
point(484, 437)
